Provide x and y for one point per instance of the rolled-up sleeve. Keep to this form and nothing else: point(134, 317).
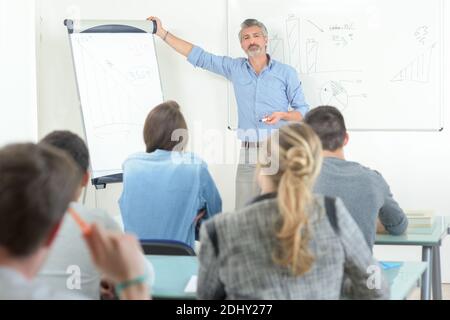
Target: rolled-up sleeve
point(391, 216)
point(295, 93)
point(221, 65)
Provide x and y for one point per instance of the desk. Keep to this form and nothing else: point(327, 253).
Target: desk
point(430, 244)
point(172, 273)
point(404, 279)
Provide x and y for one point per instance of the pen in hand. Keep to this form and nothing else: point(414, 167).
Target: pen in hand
point(84, 226)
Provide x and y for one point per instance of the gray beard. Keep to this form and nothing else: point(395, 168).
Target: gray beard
point(255, 52)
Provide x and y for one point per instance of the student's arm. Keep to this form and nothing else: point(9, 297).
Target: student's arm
point(196, 56)
point(391, 215)
point(110, 224)
point(209, 195)
point(360, 267)
point(119, 257)
point(209, 285)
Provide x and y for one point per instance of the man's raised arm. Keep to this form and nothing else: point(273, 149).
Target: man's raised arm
point(181, 46)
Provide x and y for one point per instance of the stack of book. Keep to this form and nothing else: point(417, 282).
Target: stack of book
point(420, 221)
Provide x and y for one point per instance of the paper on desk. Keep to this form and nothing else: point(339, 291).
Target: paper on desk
point(390, 265)
point(192, 285)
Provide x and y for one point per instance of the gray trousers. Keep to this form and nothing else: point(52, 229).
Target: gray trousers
point(246, 185)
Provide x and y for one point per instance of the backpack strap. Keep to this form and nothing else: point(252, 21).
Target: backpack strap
point(212, 234)
point(330, 209)
point(220, 293)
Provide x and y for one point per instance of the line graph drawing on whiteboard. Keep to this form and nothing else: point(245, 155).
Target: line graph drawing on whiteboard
point(315, 25)
point(107, 114)
point(417, 70)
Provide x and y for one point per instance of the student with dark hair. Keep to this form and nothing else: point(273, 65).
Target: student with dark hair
point(288, 243)
point(36, 186)
point(364, 191)
point(69, 256)
point(167, 192)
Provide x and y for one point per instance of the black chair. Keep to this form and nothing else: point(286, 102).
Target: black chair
point(166, 247)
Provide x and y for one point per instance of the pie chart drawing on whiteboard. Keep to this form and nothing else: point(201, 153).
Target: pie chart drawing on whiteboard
point(334, 94)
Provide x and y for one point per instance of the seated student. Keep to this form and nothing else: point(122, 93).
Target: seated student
point(284, 245)
point(166, 191)
point(68, 249)
point(364, 191)
point(36, 186)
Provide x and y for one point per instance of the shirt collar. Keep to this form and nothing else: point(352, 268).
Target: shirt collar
point(269, 63)
point(266, 196)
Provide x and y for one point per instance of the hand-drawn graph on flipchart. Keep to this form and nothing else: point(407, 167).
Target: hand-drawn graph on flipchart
point(119, 84)
point(379, 62)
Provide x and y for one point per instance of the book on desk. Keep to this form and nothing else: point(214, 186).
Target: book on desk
point(420, 221)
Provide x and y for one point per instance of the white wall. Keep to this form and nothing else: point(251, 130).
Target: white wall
point(415, 164)
point(18, 101)
point(202, 95)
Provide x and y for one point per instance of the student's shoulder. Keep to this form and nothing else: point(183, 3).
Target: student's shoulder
point(194, 158)
point(373, 174)
point(136, 156)
point(364, 170)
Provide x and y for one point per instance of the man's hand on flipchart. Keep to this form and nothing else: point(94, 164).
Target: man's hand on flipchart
point(274, 118)
point(160, 32)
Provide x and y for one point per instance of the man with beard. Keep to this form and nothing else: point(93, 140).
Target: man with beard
point(268, 93)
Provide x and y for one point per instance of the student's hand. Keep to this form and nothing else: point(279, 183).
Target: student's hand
point(119, 257)
point(274, 117)
point(160, 32)
point(380, 228)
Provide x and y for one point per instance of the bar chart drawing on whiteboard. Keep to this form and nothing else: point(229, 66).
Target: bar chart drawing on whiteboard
point(417, 70)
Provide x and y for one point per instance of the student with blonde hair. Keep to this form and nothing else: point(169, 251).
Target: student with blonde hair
point(288, 243)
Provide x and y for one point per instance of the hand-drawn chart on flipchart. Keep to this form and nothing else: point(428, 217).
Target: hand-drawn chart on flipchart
point(380, 62)
point(118, 81)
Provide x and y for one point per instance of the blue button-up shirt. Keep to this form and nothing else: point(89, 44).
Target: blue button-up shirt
point(276, 88)
point(163, 192)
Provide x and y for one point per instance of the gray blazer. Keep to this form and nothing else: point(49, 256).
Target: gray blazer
point(244, 269)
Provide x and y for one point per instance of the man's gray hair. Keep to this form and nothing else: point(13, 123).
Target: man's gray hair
point(251, 23)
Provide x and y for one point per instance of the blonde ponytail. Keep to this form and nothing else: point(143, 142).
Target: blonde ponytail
point(299, 153)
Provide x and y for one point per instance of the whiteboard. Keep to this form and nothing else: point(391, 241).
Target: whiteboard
point(118, 83)
point(379, 61)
